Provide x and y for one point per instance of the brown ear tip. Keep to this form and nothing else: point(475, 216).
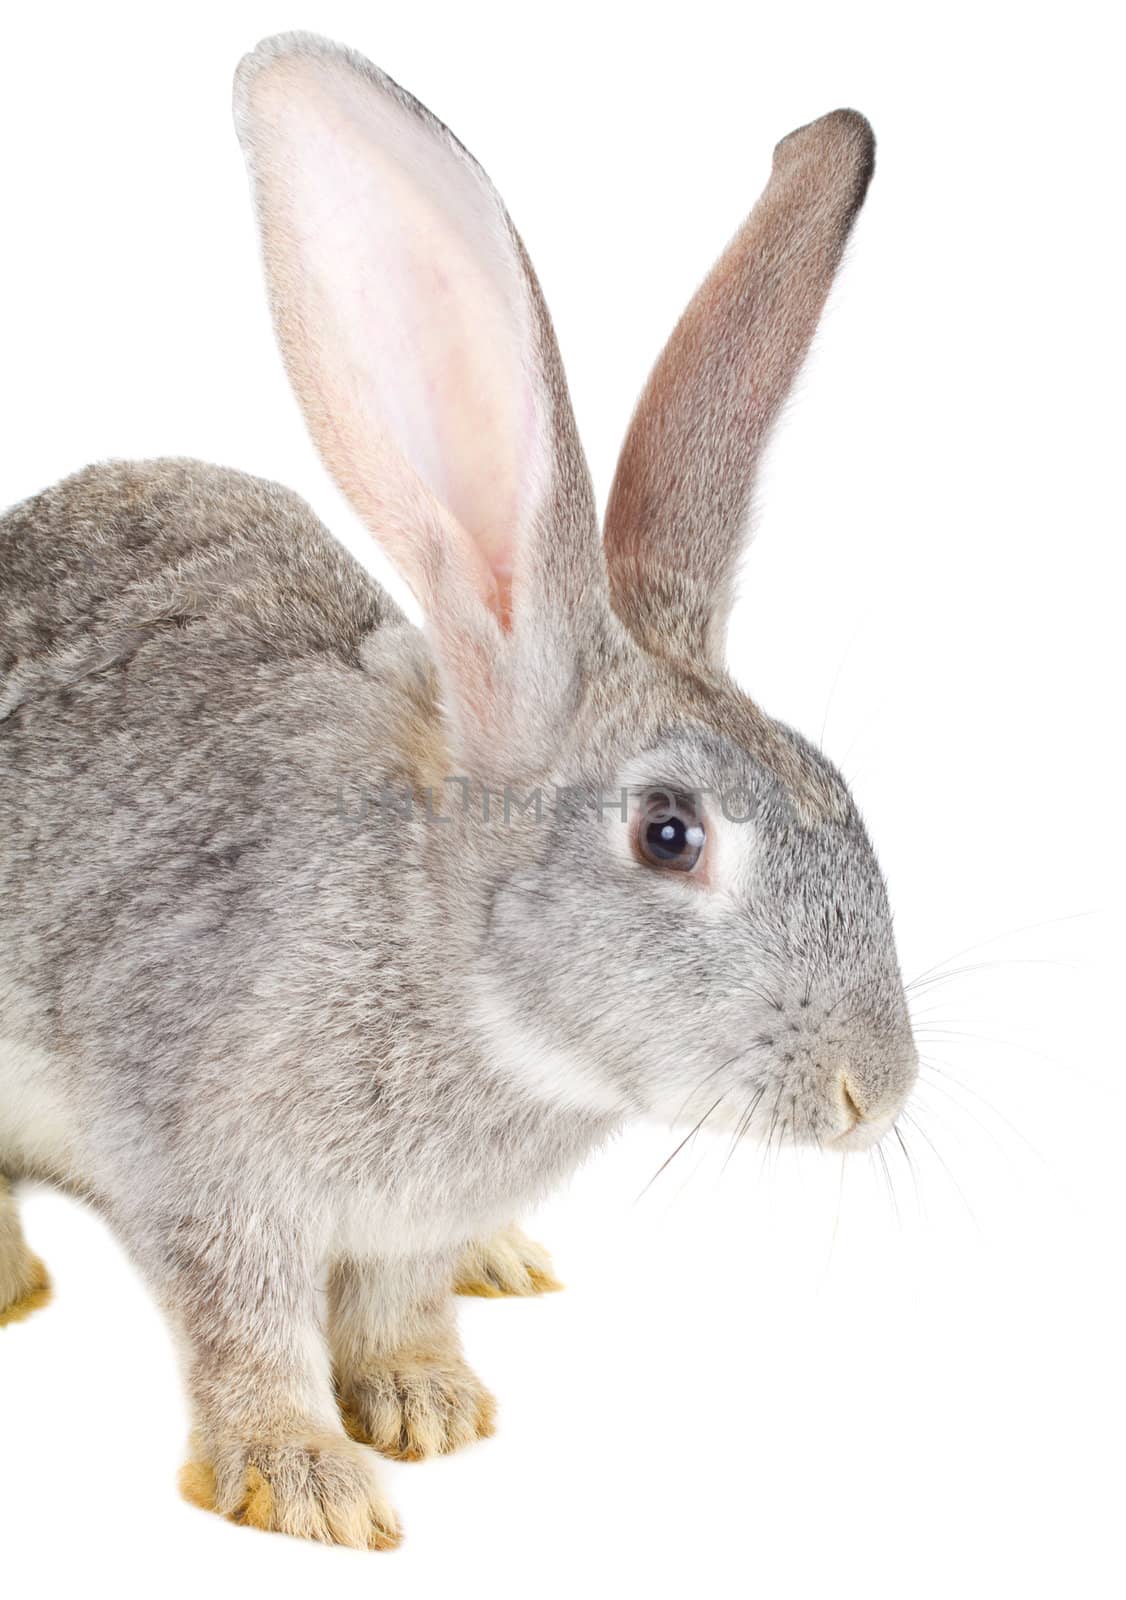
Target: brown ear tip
point(854, 121)
point(845, 131)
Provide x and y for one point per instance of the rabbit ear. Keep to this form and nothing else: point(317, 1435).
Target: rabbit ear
point(415, 336)
point(675, 522)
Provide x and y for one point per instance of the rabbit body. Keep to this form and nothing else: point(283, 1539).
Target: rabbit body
point(232, 1015)
point(211, 953)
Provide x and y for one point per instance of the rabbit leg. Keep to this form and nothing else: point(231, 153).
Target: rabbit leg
point(24, 1285)
point(268, 1449)
point(401, 1380)
point(507, 1263)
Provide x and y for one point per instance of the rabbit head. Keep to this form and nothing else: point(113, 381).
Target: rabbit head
point(680, 911)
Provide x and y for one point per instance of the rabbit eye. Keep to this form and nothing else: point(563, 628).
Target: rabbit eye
point(670, 833)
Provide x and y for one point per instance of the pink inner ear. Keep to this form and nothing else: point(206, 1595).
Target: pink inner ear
point(404, 313)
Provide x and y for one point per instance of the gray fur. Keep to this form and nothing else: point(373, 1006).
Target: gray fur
point(280, 1046)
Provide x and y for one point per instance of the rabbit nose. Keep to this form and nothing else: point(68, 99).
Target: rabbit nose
point(852, 1103)
point(868, 1110)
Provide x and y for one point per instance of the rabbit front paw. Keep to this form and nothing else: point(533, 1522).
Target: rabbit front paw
point(411, 1407)
point(508, 1263)
point(326, 1489)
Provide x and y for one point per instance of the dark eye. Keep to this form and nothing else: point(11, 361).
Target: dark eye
point(670, 833)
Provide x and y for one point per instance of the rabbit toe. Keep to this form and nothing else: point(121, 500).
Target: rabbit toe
point(509, 1263)
point(28, 1288)
point(413, 1408)
point(326, 1490)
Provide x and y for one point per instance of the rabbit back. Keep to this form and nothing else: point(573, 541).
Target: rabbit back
point(125, 549)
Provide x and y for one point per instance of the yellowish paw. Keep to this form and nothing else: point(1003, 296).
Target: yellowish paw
point(507, 1264)
point(414, 1408)
point(35, 1292)
point(324, 1489)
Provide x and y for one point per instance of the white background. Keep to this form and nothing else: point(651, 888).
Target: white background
point(763, 1378)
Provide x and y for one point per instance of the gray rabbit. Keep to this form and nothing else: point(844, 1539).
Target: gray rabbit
point(329, 945)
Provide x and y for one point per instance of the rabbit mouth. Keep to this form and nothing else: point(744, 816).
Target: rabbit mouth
point(864, 1133)
point(866, 1125)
